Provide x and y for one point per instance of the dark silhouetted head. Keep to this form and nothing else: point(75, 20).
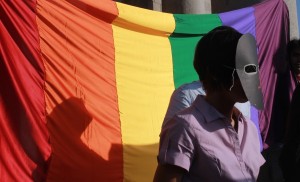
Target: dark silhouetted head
point(214, 59)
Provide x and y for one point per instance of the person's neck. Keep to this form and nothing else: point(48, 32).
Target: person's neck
point(221, 103)
point(224, 105)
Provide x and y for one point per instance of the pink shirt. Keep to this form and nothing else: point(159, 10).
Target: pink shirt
point(201, 140)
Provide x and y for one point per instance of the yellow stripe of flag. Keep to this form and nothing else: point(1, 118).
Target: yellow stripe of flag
point(142, 48)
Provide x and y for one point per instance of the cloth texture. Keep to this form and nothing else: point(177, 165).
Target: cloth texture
point(201, 140)
point(83, 78)
point(186, 94)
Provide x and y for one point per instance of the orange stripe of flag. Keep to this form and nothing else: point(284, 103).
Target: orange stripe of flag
point(77, 47)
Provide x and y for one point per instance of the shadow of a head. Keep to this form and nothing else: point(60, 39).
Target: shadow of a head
point(71, 116)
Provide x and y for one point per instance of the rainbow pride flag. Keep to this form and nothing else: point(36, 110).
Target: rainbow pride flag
point(85, 84)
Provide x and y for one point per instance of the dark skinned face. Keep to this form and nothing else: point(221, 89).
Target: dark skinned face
point(295, 62)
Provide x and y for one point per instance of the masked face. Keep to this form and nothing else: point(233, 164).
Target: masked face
point(246, 63)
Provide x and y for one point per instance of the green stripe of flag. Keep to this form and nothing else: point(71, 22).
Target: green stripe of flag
point(188, 31)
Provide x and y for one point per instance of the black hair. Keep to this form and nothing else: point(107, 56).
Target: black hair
point(293, 44)
point(214, 59)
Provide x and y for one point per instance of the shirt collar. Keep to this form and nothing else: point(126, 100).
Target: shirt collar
point(210, 113)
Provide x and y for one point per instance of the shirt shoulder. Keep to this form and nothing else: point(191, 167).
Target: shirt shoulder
point(190, 90)
point(177, 142)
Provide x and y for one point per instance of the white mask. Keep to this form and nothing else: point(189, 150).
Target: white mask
point(246, 65)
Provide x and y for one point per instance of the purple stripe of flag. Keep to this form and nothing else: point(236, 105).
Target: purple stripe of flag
point(272, 35)
point(243, 20)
